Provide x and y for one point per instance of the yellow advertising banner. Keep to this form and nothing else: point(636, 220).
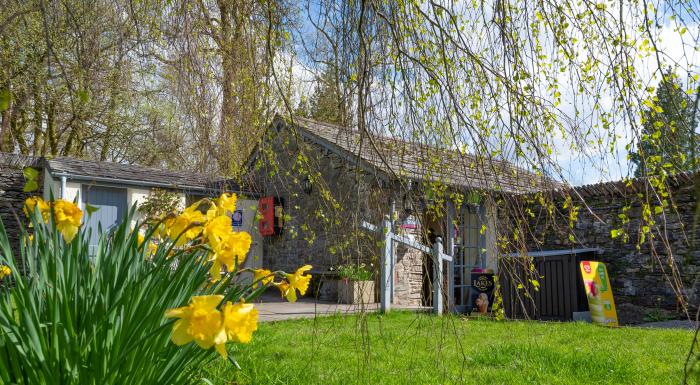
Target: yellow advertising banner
point(599, 293)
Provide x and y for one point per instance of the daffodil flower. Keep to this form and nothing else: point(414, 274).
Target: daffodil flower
point(67, 217)
point(32, 202)
point(223, 205)
point(296, 282)
point(217, 230)
point(152, 247)
point(201, 322)
point(240, 321)
point(184, 228)
point(5, 271)
point(231, 252)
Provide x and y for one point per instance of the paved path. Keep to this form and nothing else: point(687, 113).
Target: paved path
point(273, 308)
point(673, 324)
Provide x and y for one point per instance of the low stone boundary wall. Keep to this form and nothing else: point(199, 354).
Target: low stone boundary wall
point(638, 276)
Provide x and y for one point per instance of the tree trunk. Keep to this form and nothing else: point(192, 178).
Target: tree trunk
point(228, 103)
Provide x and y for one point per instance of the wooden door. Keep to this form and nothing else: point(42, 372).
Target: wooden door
point(111, 208)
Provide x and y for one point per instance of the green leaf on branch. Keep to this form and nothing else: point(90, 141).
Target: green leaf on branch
point(31, 177)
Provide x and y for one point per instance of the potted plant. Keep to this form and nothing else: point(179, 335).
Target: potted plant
point(356, 284)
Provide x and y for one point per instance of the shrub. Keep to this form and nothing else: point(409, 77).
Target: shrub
point(106, 318)
point(159, 203)
point(355, 272)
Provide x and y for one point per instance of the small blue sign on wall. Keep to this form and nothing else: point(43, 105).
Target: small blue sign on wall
point(237, 218)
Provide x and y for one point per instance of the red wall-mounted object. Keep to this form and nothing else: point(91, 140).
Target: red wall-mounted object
point(271, 210)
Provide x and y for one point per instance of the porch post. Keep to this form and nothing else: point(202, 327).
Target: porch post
point(392, 219)
point(386, 267)
point(437, 276)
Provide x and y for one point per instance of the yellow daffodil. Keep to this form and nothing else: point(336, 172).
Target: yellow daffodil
point(200, 321)
point(223, 205)
point(5, 271)
point(67, 217)
point(263, 275)
point(151, 247)
point(226, 204)
point(231, 252)
point(164, 228)
point(185, 227)
point(240, 321)
point(284, 290)
point(217, 230)
point(32, 202)
point(300, 281)
point(297, 281)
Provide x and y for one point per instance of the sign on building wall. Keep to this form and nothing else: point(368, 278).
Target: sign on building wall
point(599, 293)
point(237, 218)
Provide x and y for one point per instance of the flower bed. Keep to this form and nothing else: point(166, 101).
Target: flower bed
point(107, 317)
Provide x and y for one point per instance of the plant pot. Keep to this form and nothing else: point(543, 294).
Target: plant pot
point(328, 290)
point(355, 292)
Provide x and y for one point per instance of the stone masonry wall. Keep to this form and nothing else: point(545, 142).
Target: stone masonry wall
point(408, 271)
point(12, 197)
point(322, 227)
point(638, 277)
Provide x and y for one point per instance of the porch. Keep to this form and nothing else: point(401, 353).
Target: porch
point(450, 253)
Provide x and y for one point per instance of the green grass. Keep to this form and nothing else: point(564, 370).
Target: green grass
point(407, 348)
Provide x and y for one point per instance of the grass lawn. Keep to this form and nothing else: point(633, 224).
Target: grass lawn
point(404, 348)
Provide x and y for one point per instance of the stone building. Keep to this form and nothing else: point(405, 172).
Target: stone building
point(331, 179)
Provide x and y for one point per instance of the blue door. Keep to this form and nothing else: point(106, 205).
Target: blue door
point(111, 210)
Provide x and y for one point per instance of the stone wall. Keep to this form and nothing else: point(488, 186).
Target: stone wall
point(11, 195)
point(409, 270)
point(323, 227)
point(641, 272)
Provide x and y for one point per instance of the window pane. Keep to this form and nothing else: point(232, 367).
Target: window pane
point(471, 256)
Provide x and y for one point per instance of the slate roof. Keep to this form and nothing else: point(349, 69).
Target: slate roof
point(118, 173)
point(418, 161)
point(16, 160)
point(132, 174)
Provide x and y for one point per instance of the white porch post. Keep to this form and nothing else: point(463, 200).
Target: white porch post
point(392, 219)
point(437, 276)
point(386, 267)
